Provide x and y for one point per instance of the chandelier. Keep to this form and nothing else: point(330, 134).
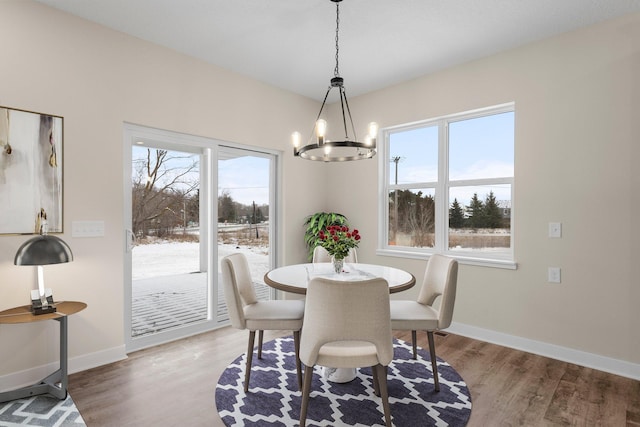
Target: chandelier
point(319, 147)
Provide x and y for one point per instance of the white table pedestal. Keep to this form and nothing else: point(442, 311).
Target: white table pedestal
point(338, 375)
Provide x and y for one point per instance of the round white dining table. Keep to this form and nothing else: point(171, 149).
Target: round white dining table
point(295, 278)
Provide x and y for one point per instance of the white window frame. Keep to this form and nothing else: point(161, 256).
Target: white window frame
point(442, 189)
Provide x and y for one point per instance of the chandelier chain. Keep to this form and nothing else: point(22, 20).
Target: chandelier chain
point(336, 71)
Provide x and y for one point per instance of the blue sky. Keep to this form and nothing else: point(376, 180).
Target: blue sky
point(478, 148)
point(245, 178)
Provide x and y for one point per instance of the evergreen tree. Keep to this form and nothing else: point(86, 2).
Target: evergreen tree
point(226, 208)
point(193, 208)
point(492, 215)
point(475, 211)
point(456, 215)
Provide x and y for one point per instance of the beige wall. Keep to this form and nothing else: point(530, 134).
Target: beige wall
point(97, 79)
point(576, 141)
point(576, 161)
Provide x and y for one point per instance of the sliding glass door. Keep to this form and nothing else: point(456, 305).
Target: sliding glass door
point(245, 210)
point(179, 227)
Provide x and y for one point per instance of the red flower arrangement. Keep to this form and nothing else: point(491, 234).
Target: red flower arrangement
point(338, 240)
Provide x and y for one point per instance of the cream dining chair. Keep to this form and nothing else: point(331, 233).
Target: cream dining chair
point(246, 312)
point(320, 254)
point(440, 279)
point(347, 325)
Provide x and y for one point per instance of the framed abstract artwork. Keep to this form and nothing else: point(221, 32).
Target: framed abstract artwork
point(30, 171)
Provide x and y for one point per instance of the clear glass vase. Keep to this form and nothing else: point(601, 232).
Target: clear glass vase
point(338, 264)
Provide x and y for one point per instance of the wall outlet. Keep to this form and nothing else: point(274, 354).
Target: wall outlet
point(555, 229)
point(553, 275)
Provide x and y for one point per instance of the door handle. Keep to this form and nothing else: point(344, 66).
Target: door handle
point(129, 240)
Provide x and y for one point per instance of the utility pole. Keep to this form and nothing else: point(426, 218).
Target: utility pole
point(395, 160)
point(184, 216)
point(255, 222)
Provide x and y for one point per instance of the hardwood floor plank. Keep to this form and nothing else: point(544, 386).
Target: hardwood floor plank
point(174, 384)
point(633, 408)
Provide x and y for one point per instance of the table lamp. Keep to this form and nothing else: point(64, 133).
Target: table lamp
point(43, 250)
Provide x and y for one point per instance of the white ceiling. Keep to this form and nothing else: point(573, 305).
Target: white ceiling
point(291, 43)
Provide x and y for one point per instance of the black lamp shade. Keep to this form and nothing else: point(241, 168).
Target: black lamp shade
point(43, 250)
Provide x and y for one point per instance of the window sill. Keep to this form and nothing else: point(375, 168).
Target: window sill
point(462, 259)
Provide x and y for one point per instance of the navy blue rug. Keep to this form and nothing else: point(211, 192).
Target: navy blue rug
point(274, 398)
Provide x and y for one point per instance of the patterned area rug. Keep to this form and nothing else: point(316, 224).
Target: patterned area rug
point(40, 411)
point(274, 398)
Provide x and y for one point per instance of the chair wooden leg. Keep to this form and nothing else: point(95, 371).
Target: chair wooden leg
point(384, 393)
point(247, 373)
point(296, 345)
point(376, 381)
point(306, 389)
point(260, 336)
point(434, 362)
point(414, 342)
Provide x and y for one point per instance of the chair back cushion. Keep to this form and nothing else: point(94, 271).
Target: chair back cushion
point(440, 279)
point(238, 287)
point(346, 311)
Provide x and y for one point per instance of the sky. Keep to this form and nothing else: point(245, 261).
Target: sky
point(478, 148)
point(245, 178)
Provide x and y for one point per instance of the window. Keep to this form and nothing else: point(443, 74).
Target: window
point(449, 187)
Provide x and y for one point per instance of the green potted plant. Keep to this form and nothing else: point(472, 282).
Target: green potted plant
point(317, 222)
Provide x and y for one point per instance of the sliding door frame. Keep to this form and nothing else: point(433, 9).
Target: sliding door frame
point(208, 148)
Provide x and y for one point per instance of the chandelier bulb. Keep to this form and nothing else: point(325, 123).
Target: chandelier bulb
point(321, 131)
point(296, 138)
point(321, 127)
point(373, 130)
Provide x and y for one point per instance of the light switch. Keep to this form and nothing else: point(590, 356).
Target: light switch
point(555, 229)
point(87, 229)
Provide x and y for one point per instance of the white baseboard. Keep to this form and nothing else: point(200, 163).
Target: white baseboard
point(589, 360)
point(76, 364)
point(99, 358)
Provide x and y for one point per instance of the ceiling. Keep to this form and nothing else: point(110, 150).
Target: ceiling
point(291, 43)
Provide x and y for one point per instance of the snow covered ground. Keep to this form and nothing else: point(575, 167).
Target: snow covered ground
point(171, 258)
point(166, 294)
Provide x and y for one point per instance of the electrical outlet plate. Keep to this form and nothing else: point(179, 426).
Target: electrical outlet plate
point(553, 275)
point(555, 229)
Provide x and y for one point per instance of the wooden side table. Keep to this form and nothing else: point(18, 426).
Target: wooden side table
point(56, 383)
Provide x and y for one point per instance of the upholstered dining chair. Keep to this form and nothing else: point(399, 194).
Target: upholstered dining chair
point(440, 279)
point(246, 312)
point(320, 254)
point(347, 325)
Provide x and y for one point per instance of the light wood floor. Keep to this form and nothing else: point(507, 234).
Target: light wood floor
point(174, 385)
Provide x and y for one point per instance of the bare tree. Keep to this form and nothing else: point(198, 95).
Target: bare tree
point(163, 185)
point(421, 221)
point(415, 216)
